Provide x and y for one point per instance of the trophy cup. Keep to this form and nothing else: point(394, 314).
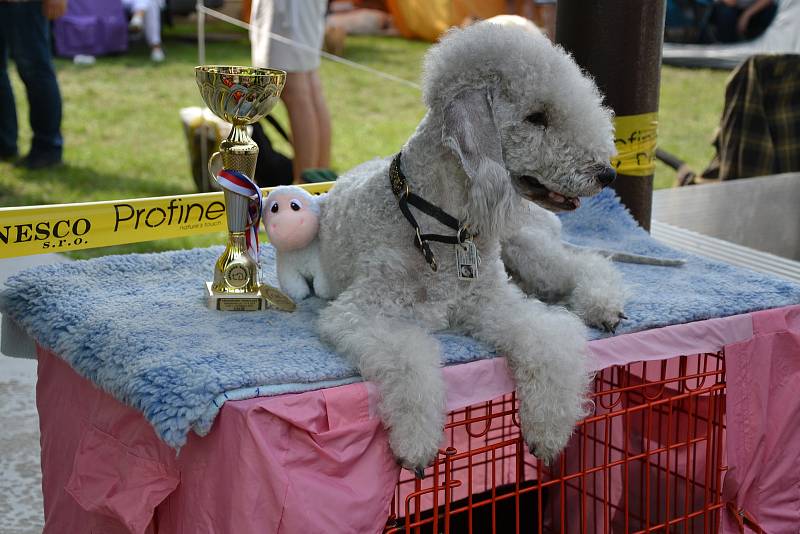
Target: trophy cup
point(240, 96)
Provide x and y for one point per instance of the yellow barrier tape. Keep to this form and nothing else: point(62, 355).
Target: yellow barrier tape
point(66, 227)
point(635, 138)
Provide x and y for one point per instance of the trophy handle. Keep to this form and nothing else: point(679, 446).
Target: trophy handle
point(214, 166)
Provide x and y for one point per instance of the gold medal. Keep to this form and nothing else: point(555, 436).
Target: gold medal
point(275, 298)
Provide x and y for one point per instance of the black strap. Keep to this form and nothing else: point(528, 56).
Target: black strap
point(275, 124)
point(402, 191)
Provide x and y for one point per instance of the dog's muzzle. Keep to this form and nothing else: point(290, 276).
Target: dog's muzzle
point(532, 189)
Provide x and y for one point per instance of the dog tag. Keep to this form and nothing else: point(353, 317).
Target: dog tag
point(467, 260)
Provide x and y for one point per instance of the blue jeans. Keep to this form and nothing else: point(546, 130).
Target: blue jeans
point(25, 38)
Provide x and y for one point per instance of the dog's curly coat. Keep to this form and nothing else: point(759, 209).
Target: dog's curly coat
point(511, 119)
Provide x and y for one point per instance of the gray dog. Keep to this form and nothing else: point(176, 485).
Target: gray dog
point(425, 242)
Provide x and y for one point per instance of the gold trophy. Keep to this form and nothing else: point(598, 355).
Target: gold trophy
point(240, 96)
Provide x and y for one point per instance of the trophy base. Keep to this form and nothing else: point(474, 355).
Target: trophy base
point(234, 301)
point(268, 297)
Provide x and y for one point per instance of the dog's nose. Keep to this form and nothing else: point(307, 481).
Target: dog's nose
point(606, 176)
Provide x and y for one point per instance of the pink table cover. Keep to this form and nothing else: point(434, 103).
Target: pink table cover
point(320, 462)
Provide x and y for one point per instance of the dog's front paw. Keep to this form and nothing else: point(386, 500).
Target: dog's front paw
point(552, 390)
point(599, 294)
point(546, 441)
point(608, 320)
point(548, 417)
point(414, 437)
point(599, 307)
point(415, 449)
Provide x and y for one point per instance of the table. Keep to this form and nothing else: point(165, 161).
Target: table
point(319, 461)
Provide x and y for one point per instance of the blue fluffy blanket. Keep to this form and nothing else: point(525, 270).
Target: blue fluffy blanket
point(138, 327)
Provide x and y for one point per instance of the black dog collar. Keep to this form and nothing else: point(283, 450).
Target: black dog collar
point(402, 191)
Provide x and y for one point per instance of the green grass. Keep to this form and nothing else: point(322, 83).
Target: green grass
point(124, 139)
point(690, 109)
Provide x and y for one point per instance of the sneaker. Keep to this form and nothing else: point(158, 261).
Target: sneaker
point(84, 59)
point(157, 55)
point(39, 161)
point(137, 22)
point(316, 176)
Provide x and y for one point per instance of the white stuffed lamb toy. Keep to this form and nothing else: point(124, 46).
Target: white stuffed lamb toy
point(292, 222)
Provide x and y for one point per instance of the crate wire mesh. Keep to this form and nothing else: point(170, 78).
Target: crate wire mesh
point(649, 460)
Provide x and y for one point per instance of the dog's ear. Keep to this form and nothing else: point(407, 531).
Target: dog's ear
point(469, 130)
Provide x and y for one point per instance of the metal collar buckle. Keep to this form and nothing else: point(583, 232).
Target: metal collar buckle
point(464, 234)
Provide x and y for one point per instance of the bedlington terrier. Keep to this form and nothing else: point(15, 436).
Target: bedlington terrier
point(510, 119)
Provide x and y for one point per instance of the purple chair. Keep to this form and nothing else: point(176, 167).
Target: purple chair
point(92, 27)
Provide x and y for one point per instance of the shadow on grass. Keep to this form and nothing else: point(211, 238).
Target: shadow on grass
point(35, 187)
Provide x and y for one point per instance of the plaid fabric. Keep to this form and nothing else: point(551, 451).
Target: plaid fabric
point(759, 133)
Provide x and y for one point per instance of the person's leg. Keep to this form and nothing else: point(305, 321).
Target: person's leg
point(8, 109)
point(323, 122)
point(724, 20)
point(152, 29)
point(136, 8)
point(760, 21)
point(30, 50)
point(297, 95)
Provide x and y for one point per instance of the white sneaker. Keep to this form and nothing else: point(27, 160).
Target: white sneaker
point(157, 55)
point(83, 59)
point(137, 22)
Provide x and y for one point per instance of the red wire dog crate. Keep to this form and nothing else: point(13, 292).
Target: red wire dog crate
point(649, 460)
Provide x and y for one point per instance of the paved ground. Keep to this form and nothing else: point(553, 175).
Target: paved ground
point(20, 473)
point(20, 476)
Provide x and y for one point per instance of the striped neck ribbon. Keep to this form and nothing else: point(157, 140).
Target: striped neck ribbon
point(241, 184)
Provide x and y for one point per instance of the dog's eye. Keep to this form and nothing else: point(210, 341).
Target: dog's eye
point(296, 205)
point(273, 207)
point(539, 118)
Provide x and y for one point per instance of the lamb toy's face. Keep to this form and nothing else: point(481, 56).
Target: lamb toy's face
point(291, 224)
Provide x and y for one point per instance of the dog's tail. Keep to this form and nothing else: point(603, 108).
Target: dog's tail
point(625, 257)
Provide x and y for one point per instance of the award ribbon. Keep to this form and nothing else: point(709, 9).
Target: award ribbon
point(241, 184)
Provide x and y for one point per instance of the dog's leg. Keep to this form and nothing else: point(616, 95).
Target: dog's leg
point(546, 352)
point(403, 360)
point(535, 259)
point(585, 282)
